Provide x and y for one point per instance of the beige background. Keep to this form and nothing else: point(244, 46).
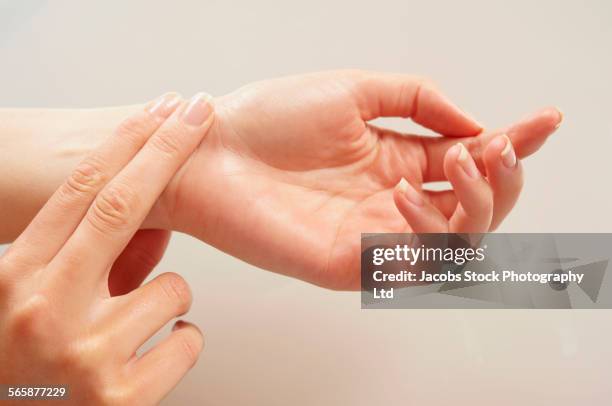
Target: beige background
point(272, 340)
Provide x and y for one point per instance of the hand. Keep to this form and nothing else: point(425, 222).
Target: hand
point(62, 321)
point(292, 172)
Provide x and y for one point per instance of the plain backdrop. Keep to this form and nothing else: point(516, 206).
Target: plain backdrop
point(271, 340)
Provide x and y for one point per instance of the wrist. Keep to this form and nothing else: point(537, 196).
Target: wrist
point(39, 149)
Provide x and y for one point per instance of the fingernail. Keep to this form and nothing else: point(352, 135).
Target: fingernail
point(410, 192)
point(164, 105)
point(466, 162)
point(560, 118)
point(508, 156)
point(198, 109)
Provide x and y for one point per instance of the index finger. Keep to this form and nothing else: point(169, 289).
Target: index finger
point(60, 216)
point(121, 207)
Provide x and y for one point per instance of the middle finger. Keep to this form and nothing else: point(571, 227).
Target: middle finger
point(120, 208)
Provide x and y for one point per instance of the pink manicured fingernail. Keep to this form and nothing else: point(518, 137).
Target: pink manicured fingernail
point(198, 109)
point(508, 156)
point(466, 161)
point(164, 105)
point(410, 192)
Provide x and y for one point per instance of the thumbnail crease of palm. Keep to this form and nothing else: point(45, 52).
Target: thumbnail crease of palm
point(293, 172)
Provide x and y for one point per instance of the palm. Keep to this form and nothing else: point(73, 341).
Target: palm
point(291, 175)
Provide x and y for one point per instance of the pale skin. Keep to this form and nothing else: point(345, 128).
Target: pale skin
point(62, 321)
point(292, 172)
point(286, 176)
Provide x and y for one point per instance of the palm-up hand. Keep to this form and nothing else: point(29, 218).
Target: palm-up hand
point(292, 172)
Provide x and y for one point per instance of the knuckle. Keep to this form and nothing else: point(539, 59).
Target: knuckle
point(410, 90)
point(176, 289)
point(113, 208)
point(167, 140)
point(115, 395)
point(426, 81)
point(85, 179)
point(88, 349)
point(86, 355)
point(406, 98)
point(422, 82)
point(136, 128)
point(29, 321)
point(71, 357)
point(362, 80)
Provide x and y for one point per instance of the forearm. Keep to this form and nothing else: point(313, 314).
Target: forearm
point(38, 149)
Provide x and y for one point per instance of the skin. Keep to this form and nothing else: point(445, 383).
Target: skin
point(292, 171)
point(63, 319)
point(288, 176)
